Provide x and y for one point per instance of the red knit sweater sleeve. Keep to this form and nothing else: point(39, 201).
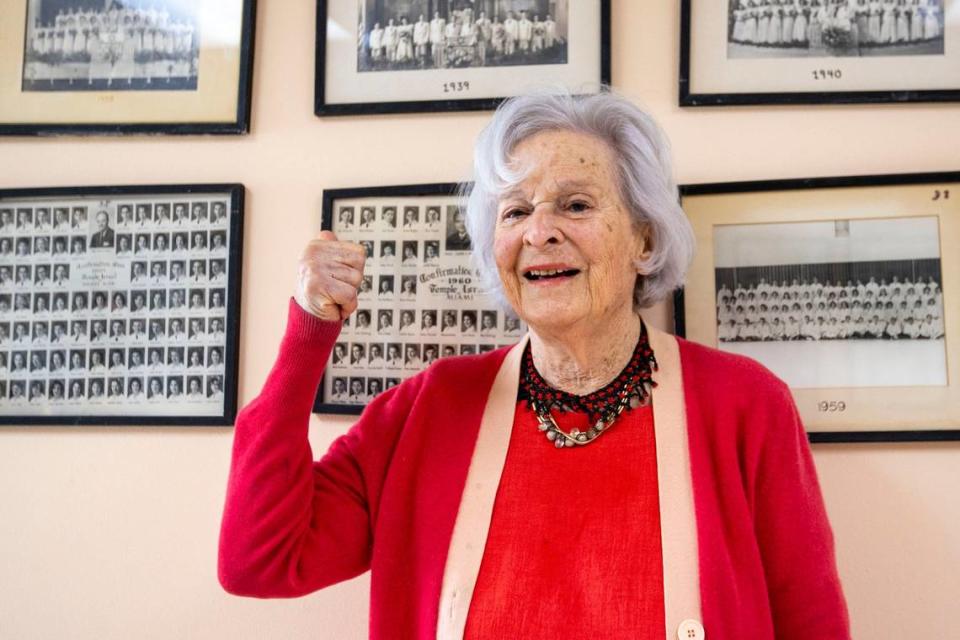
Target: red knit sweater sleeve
point(291, 525)
point(792, 528)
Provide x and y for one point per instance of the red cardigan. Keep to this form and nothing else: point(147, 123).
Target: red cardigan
point(385, 496)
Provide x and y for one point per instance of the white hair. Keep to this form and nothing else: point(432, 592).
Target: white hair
point(642, 156)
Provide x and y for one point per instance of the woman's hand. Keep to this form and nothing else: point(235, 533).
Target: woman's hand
point(330, 272)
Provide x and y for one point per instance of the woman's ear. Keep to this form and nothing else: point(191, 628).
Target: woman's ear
point(644, 251)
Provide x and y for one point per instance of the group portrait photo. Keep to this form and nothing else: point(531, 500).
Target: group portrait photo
point(95, 45)
point(834, 28)
point(396, 35)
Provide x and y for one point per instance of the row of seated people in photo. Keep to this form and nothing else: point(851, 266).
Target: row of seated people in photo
point(812, 290)
point(801, 23)
point(809, 327)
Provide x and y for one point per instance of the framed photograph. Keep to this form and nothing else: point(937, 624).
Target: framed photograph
point(848, 289)
point(120, 305)
point(420, 299)
point(111, 67)
point(391, 56)
point(737, 52)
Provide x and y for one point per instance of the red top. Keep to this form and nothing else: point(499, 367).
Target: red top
point(574, 544)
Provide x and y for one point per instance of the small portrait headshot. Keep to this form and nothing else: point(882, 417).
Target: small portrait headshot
point(155, 388)
point(411, 356)
point(467, 350)
point(162, 214)
point(25, 220)
point(180, 242)
point(6, 247)
point(196, 329)
point(218, 271)
point(41, 333)
point(118, 302)
point(214, 357)
point(448, 322)
point(411, 218)
point(174, 387)
point(410, 252)
point(215, 387)
point(215, 329)
point(218, 241)
point(366, 285)
point(180, 215)
point(115, 388)
point(157, 329)
point(175, 357)
point(195, 388)
point(374, 387)
point(457, 237)
point(368, 247)
point(345, 219)
point(58, 332)
point(388, 218)
point(118, 330)
point(338, 390)
point(198, 213)
point(61, 219)
point(136, 359)
point(375, 355)
point(431, 252)
point(155, 360)
point(393, 356)
point(388, 250)
point(363, 320)
point(432, 218)
point(124, 216)
point(98, 331)
point(367, 218)
point(384, 320)
point(408, 287)
point(78, 360)
point(6, 220)
point(78, 218)
point(77, 389)
point(135, 388)
point(17, 393)
point(158, 300)
point(24, 247)
point(158, 272)
point(24, 277)
point(124, 244)
point(177, 299)
point(430, 353)
point(38, 361)
point(339, 354)
point(488, 323)
point(468, 321)
point(117, 360)
point(104, 236)
point(198, 299)
point(511, 324)
point(58, 361)
point(59, 245)
point(218, 212)
point(357, 390)
point(18, 362)
point(41, 303)
point(198, 240)
point(138, 272)
point(143, 215)
point(60, 303)
point(358, 354)
point(78, 246)
point(408, 320)
point(43, 220)
point(79, 331)
point(385, 288)
point(161, 242)
point(41, 246)
point(141, 244)
point(38, 391)
point(138, 301)
point(428, 321)
point(41, 275)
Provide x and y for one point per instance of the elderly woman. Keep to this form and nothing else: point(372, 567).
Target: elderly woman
point(601, 479)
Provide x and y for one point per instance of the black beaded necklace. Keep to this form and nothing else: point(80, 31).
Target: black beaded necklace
point(631, 388)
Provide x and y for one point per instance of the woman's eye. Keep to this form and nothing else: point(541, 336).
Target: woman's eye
point(510, 214)
point(578, 206)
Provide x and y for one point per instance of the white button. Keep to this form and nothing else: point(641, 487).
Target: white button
point(691, 630)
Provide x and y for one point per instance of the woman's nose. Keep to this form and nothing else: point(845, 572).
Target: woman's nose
point(542, 228)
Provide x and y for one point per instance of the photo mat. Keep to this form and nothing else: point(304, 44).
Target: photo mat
point(420, 299)
point(119, 306)
point(845, 288)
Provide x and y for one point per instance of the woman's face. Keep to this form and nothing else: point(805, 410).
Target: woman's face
point(567, 217)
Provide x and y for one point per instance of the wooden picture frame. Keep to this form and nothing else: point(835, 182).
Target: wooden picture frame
point(167, 68)
point(120, 305)
point(749, 52)
point(846, 288)
point(467, 72)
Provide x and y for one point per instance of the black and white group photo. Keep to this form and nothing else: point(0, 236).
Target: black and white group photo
point(396, 35)
point(846, 300)
point(87, 45)
point(828, 28)
point(110, 306)
point(419, 299)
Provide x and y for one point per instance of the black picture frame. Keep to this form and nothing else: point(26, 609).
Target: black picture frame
point(231, 254)
point(237, 124)
point(440, 335)
point(689, 96)
point(944, 202)
point(322, 107)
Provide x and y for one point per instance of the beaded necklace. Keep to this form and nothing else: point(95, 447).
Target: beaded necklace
point(630, 389)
